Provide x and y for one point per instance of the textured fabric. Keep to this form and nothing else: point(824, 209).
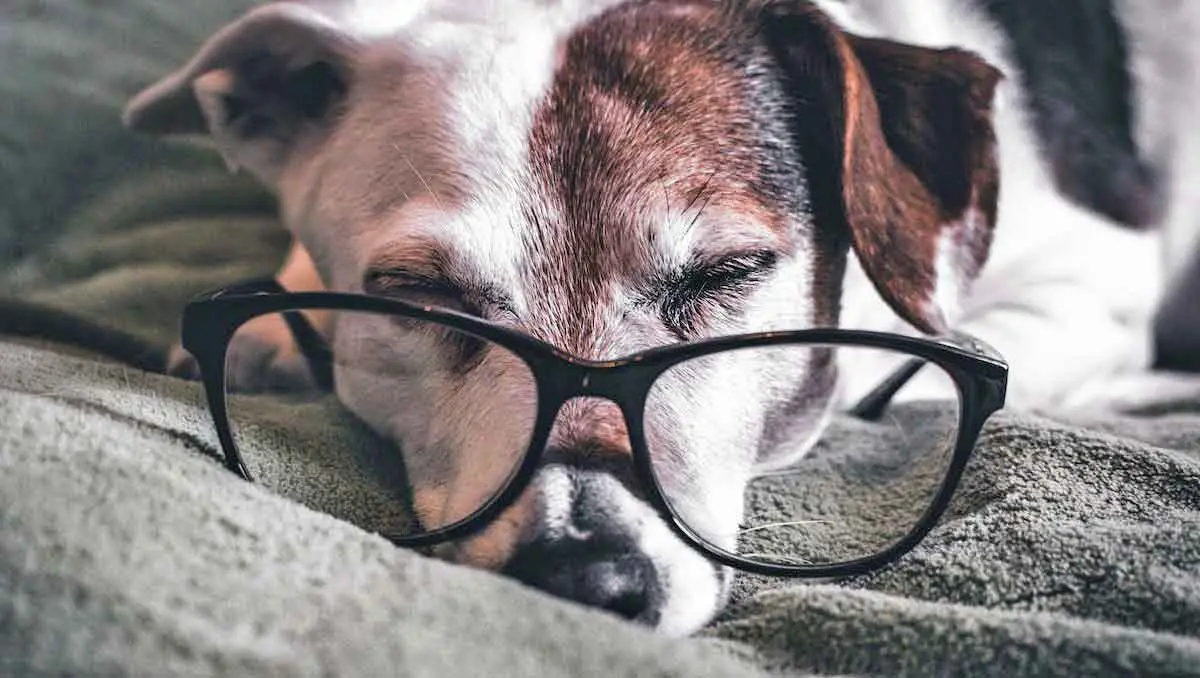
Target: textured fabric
point(126, 549)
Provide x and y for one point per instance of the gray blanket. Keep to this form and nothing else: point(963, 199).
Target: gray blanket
point(126, 549)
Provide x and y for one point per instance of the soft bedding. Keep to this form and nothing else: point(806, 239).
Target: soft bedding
point(1072, 547)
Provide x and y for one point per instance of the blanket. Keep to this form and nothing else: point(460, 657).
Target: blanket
point(127, 549)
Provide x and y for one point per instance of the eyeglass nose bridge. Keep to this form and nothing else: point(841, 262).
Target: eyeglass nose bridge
point(625, 384)
point(623, 387)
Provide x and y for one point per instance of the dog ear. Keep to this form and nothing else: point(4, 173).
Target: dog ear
point(900, 151)
point(258, 86)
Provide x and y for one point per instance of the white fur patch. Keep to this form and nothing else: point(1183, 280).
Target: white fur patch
point(385, 18)
point(556, 497)
point(951, 272)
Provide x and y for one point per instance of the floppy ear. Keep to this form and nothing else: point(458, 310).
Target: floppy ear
point(900, 152)
point(258, 86)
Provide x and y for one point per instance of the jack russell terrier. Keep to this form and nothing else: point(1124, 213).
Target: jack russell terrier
point(761, 164)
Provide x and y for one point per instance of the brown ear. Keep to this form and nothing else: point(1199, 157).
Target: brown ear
point(900, 150)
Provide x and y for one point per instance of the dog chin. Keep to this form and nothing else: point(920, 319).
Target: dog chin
point(694, 590)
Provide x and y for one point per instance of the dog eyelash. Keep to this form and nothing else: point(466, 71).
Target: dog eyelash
point(389, 283)
point(473, 300)
point(727, 273)
point(424, 288)
point(698, 286)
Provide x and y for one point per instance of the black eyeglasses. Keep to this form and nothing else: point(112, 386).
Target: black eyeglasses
point(721, 430)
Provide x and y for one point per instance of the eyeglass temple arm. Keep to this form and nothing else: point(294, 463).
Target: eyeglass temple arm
point(871, 406)
point(313, 346)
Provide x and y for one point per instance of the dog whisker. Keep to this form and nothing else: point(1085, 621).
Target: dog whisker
point(420, 178)
point(791, 523)
point(700, 192)
point(699, 213)
point(781, 473)
point(904, 436)
point(775, 557)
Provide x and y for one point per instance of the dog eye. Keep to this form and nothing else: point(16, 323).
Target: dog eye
point(706, 289)
point(462, 350)
point(414, 287)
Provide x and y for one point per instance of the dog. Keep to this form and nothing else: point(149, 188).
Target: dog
point(572, 167)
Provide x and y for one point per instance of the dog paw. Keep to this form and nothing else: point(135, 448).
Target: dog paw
point(182, 364)
point(261, 357)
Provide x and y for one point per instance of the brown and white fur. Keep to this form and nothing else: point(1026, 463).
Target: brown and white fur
point(1068, 294)
point(560, 165)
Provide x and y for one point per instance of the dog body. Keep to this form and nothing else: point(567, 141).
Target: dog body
point(612, 175)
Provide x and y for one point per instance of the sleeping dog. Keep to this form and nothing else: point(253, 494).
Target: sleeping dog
point(610, 175)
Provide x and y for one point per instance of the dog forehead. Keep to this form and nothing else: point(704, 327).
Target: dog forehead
point(490, 61)
point(594, 135)
point(643, 91)
point(385, 18)
point(659, 121)
point(443, 99)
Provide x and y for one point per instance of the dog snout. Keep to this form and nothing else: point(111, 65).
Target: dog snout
point(582, 548)
point(590, 571)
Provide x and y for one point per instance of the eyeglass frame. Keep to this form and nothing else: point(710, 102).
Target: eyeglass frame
point(980, 375)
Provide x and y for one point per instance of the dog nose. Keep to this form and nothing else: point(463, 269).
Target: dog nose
point(584, 547)
point(592, 569)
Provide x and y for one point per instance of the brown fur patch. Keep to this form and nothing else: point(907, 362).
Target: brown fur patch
point(650, 113)
point(663, 100)
point(934, 113)
point(493, 547)
point(592, 433)
point(594, 425)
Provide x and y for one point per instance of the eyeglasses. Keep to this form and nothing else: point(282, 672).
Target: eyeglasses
point(468, 391)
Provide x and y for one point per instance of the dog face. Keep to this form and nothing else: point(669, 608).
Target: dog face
point(607, 176)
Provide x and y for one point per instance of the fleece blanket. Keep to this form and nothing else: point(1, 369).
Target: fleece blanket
point(126, 549)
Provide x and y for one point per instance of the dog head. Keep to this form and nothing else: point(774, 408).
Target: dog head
point(607, 176)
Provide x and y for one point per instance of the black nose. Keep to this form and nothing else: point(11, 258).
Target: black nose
point(593, 569)
point(583, 546)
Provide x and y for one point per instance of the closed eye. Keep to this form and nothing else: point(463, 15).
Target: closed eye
point(702, 288)
point(419, 288)
point(463, 351)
